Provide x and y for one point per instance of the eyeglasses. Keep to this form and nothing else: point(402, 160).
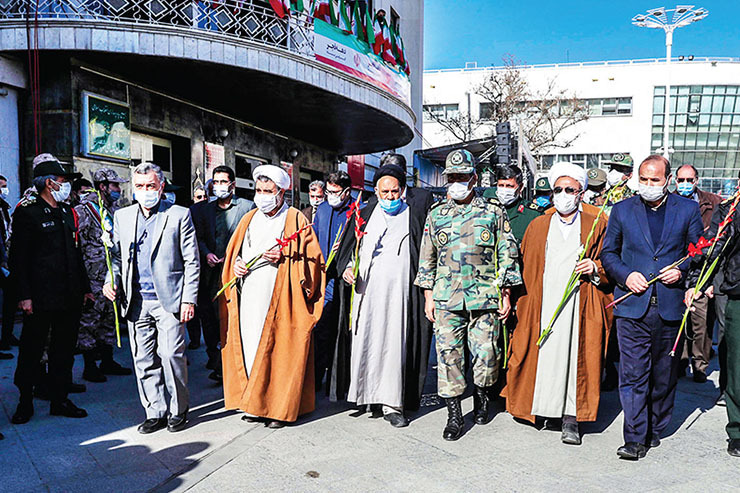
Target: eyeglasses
point(683, 180)
point(199, 197)
point(568, 190)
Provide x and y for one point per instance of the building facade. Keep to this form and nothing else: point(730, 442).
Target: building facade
point(191, 85)
point(625, 102)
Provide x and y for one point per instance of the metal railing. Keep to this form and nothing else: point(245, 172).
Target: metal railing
point(251, 20)
point(643, 61)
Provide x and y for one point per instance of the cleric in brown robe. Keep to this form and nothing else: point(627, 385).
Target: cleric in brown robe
point(569, 360)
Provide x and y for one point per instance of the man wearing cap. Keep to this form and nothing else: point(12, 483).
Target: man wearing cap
point(267, 318)
point(596, 192)
point(621, 168)
point(559, 379)
point(467, 265)
point(52, 284)
point(390, 336)
point(509, 187)
point(155, 278)
point(645, 235)
point(97, 325)
point(542, 194)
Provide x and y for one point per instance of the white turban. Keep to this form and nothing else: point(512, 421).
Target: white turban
point(275, 173)
point(571, 170)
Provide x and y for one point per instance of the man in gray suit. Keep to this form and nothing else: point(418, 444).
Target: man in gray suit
point(155, 263)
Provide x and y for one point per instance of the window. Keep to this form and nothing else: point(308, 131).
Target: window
point(395, 20)
point(434, 112)
point(609, 106)
point(152, 149)
point(244, 165)
point(485, 111)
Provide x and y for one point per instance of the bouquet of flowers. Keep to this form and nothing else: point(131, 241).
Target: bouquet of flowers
point(354, 210)
point(280, 242)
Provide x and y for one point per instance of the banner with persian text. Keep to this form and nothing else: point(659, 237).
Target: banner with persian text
point(345, 52)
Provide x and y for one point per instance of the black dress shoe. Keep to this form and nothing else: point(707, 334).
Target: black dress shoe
point(397, 420)
point(376, 411)
point(92, 373)
point(5, 344)
point(177, 423)
point(275, 424)
point(23, 412)
point(216, 376)
point(151, 425)
point(67, 409)
point(733, 448)
point(6, 356)
point(721, 400)
point(632, 451)
point(700, 376)
point(571, 434)
point(113, 368)
point(76, 388)
point(654, 442)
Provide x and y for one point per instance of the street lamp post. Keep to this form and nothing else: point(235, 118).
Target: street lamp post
point(669, 20)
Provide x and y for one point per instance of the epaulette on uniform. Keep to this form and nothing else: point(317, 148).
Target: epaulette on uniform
point(533, 206)
point(27, 200)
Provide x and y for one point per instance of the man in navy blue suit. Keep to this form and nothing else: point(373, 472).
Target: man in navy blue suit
point(646, 234)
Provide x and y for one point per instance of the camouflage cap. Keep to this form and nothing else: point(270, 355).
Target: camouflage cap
point(459, 161)
point(596, 177)
point(542, 185)
point(621, 161)
point(107, 174)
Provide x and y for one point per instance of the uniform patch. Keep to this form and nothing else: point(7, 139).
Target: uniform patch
point(48, 224)
point(485, 235)
point(507, 227)
point(442, 238)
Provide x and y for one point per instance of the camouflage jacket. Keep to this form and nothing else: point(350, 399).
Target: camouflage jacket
point(91, 236)
point(462, 247)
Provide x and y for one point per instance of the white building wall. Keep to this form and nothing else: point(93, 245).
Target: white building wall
point(599, 134)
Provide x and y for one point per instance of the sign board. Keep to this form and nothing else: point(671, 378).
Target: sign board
point(215, 156)
point(345, 52)
point(356, 171)
point(105, 127)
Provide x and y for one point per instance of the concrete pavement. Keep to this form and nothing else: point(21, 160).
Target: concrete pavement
point(335, 449)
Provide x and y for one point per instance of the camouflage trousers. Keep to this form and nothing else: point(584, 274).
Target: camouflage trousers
point(480, 329)
point(97, 324)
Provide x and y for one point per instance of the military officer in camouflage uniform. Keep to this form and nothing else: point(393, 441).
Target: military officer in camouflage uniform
point(467, 262)
point(621, 167)
point(97, 325)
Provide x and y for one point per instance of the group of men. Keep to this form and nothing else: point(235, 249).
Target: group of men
point(346, 295)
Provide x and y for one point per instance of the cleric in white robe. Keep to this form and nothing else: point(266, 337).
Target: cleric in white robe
point(382, 356)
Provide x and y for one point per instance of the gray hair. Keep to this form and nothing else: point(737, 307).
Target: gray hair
point(40, 182)
point(316, 184)
point(145, 168)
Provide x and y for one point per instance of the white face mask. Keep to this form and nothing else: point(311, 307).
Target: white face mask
point(590, 196)
point(265, 202)
point(334, 200)
point(221, 191)
point(63, 193)
point(652, 193)
point(459, 190)
point(613, 177)
point(507, 195)
point(316, 201)
point(564, 202)
point(147, 198)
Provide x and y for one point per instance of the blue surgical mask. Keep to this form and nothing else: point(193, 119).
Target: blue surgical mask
point(685, 188)
point(114, 196)
point(542, 201)
point(390, 207)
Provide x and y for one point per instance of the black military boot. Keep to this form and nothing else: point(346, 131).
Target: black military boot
point(455, 422)
point(92, 373)
point(481, 403)
point(108, 366)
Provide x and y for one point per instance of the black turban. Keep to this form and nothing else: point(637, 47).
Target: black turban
point(391, 170)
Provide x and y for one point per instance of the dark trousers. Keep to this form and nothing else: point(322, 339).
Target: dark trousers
point(324, 340)
point(211, 329)
point(732, 393)
point(194, 327)
point(647, 374)
point(63, 325)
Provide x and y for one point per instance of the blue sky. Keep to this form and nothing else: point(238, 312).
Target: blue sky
point(484, 31)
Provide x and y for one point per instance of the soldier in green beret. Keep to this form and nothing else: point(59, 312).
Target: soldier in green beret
point(467, 263)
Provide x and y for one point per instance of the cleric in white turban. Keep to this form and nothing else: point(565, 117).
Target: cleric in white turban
point(559, 380)
point(267, 319)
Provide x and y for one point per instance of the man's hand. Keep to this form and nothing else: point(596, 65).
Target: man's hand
point(429, 305)
point(710, 292)
point(109, 291)
point(669, 276)
point(273, 256)
point(586, 267)
point(349, 276)
point(240, 268)
point(213, 260)
point(504, 309)
point(26, 306)
point(693, 295)
point(187, 312)
point(89, 299)
point(636, 283)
